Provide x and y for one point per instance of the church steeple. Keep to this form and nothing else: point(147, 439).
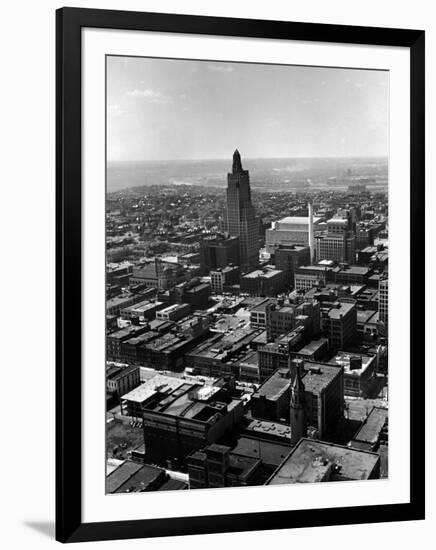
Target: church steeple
point(298, 408)
point(237, 164)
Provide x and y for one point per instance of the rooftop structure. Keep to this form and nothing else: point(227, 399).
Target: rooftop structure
point(265, 429)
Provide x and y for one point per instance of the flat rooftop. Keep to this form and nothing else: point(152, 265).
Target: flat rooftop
point(115, 372)
point(265, 427)
point(354, 270)
point(220, 346)
point(313, 346)
point(179, 397)
point(166, 342)
point(242, 465)
point(131, 477)
point(261, 307)
point(143, 306)
point(344, 359)
point(340, 221)
point(298, 220)
point(260, 273)
point(340, 309)
point(370, 430)
point(366, 315)
point(269, 452)
point(317, 376)
point(172, 308)
point(312, 461)
point(321, 268)
point(160, 325)
point(141, 339)
point(124, 333)
point(274, 386)
point(158, 383)
point(121, 474)
point(118, 301)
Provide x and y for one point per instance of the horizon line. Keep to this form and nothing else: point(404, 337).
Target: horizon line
point(252, 158)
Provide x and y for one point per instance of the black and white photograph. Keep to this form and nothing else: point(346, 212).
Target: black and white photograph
point(218, 296)
point(247, 254)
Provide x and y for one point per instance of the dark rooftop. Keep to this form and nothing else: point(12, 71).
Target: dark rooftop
point(140, 480)
point(370, 430)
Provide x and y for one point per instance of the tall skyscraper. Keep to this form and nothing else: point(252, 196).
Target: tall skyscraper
point(241, 219)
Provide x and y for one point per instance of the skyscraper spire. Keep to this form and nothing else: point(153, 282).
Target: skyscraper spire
point(237, 164)
point(298, 409)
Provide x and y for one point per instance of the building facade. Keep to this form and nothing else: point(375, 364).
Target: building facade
point(221, 278)
point(219, 251)
point(288, 258)
point(339, 324)
point(264, 282)
point(338, 244)
point(383, 302)
point(289, 231)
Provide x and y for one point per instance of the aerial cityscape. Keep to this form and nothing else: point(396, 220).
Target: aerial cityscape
point(246, 318)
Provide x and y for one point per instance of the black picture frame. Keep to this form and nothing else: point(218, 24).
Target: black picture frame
point(69, 525)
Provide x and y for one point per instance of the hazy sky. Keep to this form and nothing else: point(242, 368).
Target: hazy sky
point(171, 109)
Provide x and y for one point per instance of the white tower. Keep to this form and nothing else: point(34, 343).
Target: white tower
point(311, 237)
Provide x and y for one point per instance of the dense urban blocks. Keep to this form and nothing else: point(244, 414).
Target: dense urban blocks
point(246, 334)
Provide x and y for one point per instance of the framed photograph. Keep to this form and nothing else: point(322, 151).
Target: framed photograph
point(240, 290)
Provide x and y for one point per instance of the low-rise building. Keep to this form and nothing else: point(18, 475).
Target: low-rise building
point(145, 310)
point(219, 251)
point(367, 324)
point(276, 355)
point(134, 477)
point(307, 277)
point(121, 380)
point(339, 323)
point(264, 282)
point(291, 230)
point(175, 312)
point(279, 320)
point(115, 339)
point(288, 258)
point(359, 371)
point(220, 354)
point(373, 431)
point(180, 416)
point(271, 400)
point(117, 303)
point(324, 387)
point(352, 274)
point(258, 313)
point(217, 466)
point(159, 274)
point(224, 277)
point(313, 461)
point(313, 351)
